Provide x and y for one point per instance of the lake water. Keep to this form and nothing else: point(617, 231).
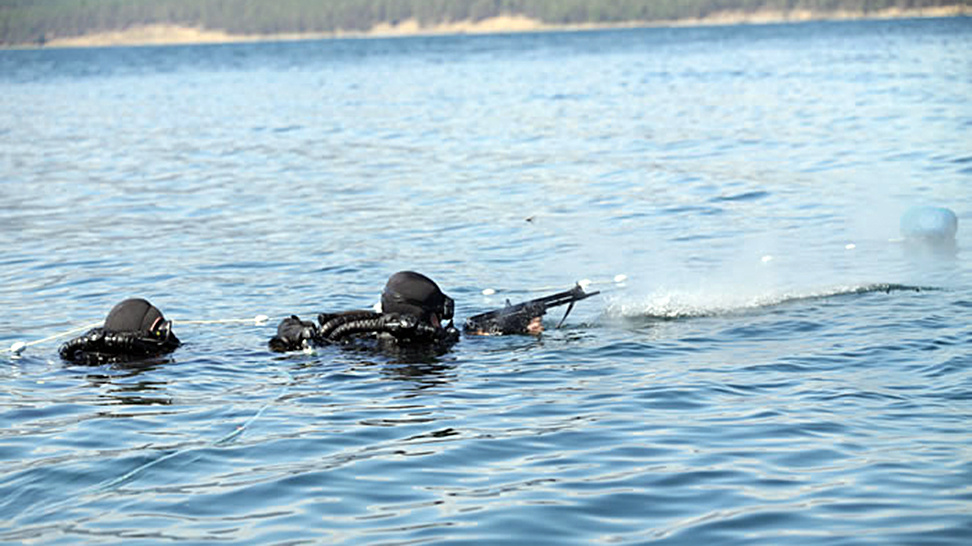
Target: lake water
point(776, 368)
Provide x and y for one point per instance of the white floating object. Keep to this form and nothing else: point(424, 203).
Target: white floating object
point(929, 224)
point(260, 320)
point(767, 259)
point(620, 278)
point(584, 283)
point(18, 347)
point(488, 291)
point(850, 246)
point(377, 307)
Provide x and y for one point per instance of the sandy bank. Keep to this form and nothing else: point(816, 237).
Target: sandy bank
point(173, 34)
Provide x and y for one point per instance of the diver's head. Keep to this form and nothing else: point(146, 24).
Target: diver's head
point(410, 293)
point(136, 315)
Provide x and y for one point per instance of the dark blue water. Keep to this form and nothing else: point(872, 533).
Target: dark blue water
point(777, 367)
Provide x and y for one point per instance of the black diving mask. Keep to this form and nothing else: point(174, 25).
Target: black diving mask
point(448, 308)
point(162, 329)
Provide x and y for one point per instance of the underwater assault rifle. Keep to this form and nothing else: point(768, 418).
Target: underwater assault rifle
point(514, 319)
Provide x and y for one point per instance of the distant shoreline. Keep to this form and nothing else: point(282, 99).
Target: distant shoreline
point(156, 35)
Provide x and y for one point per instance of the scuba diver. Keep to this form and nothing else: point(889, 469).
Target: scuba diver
point(134, 330)
point(413, 314)
point(413, 310)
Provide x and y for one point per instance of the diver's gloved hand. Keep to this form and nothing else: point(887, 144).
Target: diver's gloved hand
point(293, 334)
point(522, 323)
point(449, 334)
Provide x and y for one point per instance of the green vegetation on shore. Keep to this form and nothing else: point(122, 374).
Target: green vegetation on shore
point(37, 21)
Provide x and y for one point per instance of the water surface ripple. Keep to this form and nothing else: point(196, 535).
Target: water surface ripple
point(776, 368)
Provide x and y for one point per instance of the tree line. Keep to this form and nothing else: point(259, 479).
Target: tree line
point(34, 21)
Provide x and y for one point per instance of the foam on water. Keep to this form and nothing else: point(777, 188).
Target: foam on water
point(679, 304)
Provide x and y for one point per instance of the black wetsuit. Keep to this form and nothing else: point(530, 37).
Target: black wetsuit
point(100, 346)
point(133, 330)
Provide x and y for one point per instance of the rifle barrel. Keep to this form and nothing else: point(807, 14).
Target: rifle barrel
point(554, 300)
